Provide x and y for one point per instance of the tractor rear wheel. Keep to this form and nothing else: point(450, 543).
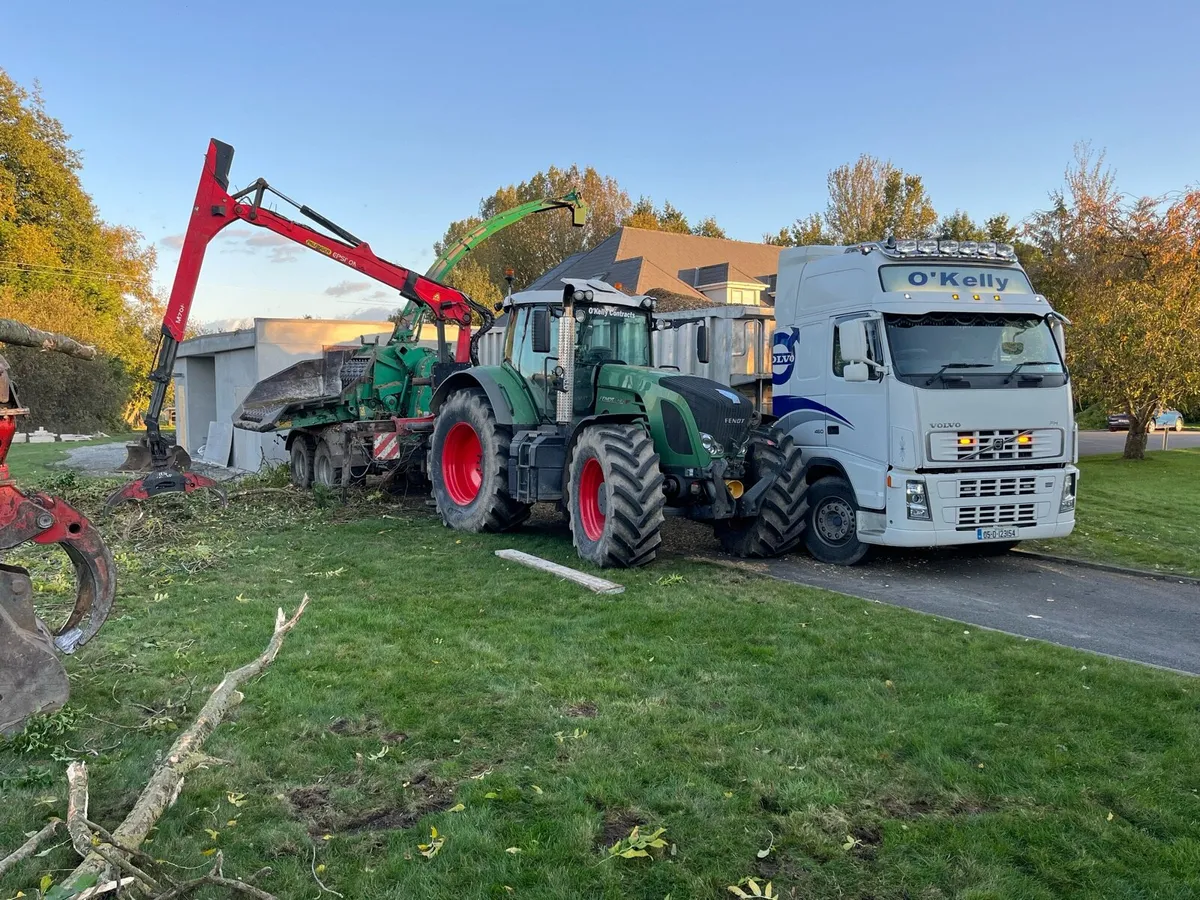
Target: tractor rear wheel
point(469, 466)
point(783, 512)
point(615, 496)
point(301, 462)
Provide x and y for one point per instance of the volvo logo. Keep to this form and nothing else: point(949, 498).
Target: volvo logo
point(946, 425)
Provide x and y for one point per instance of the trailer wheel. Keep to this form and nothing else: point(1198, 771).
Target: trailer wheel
point(782, 516)
point(470, 466)
point(301, 462)
point(324, 471)
point(615, 496)
point(831, 535)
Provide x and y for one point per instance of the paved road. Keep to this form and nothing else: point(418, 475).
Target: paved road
point(1141, 619)
point(1094, 442)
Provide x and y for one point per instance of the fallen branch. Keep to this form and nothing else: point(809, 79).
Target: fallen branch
point(77, 807)
point(216, 878)
point(167, 779)
point(27, 849)
point(21, 335)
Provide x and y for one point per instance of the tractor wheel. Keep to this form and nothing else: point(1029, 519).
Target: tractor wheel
point(832, 531)
point(615, 496)
point(781, 519)
point(470, 466)
point(301, 463)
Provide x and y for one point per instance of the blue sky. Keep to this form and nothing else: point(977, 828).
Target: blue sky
point(395, 118)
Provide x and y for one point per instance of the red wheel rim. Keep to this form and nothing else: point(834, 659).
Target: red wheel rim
point(461, 463)
point(591, 514)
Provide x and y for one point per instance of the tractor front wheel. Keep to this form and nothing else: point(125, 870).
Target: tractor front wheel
point(783, 511)
point(469, 466)
point(615, 496)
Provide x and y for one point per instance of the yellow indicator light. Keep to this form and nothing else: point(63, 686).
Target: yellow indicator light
point(966, 441)
point(954, 296)
point(976, 296)
point(889, 481)
point(997, 298)
point(736, 488)
point(1024, 438)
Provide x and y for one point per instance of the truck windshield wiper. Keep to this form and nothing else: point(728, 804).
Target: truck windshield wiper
point(955, 365)
point(1029, 362)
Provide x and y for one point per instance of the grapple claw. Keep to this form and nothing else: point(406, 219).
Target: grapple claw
point(163, 481)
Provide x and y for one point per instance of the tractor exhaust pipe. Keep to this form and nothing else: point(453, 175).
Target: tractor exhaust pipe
point(565, 408)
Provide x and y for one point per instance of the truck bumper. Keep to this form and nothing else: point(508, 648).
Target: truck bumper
point(973, 508)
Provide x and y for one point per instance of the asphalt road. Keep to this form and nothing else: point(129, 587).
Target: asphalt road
point(1136, 618)
point(1092, 443)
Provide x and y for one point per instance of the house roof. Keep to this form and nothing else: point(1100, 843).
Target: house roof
point(642, 261)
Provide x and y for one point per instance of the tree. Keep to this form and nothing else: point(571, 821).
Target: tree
point(868, 201)
point(708, 227)
point(961, 227)
point(1127, 272)
point(59, 263)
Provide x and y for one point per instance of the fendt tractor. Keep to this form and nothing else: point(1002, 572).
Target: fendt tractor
point(577, 415)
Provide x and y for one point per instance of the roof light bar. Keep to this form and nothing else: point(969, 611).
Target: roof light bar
point(909, 247)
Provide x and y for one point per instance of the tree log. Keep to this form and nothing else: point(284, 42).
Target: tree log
point(21, 335)
point(185, 755)
point(27, 849)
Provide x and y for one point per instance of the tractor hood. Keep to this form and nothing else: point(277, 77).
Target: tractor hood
point(719, 410)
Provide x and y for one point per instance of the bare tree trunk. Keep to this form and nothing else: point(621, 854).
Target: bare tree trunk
point(1135, 439)
point(21, 335)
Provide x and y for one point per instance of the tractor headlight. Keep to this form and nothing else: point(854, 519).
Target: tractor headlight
point(916, 501)
point(1068, 495)
point(711, 445)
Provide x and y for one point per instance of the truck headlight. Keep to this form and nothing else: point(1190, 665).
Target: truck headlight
point(1068, 495)
point(711, 445)
point(916, 501)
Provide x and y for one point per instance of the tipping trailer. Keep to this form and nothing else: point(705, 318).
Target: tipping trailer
point(371, 400)
point(927, 383)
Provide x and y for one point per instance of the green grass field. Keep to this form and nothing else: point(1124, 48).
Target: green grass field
point(1139, 513)
point(838, 747)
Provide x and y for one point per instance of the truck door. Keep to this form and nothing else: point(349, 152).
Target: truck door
point(799, 375)
point(856, 422)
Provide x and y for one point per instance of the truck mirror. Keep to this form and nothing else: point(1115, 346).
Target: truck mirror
point(856, 371)
point(1060, 336)
point(541, 330)
point(702, 343)
point(852, 335)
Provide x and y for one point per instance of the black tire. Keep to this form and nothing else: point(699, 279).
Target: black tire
point(325, 473)
point(615, 520)
point(831, 534)
point(301, 462)
point(472, 493)
point(783, 515)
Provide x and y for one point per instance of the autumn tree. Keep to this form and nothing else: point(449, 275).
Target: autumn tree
point(1127, 273)
point(63, 269)
point(869, 200)
point(959, 226)
point(668, 218)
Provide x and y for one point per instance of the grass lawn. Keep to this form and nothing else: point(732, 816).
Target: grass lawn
point(1140, 513)
point(839, 747)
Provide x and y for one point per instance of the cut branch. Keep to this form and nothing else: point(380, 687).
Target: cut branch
point(21, 335)
point(185, 755)
point(27, 849)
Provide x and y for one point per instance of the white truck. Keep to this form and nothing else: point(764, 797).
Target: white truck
point(926, 383)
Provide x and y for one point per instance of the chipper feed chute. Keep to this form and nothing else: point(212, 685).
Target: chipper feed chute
point(306, 382)
point(32, 678)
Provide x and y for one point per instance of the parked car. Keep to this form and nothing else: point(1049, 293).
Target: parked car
point(1171, 419)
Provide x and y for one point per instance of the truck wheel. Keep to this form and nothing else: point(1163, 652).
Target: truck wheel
point(831, 535)
point(783, 514)
point(615, 496)
point(301, 462)
point(470, 466)
point(324, 471)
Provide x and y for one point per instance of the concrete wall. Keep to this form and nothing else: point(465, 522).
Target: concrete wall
point(195, 400)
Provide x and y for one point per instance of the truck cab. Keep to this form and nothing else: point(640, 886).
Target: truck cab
point(927, 385)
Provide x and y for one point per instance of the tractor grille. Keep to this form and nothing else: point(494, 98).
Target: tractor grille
point(1005, 514)
point(997, 487)
point(718, 410)
point(353, 369)
point(995, 445)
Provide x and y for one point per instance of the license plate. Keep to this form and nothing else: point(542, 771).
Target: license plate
point(995, 534)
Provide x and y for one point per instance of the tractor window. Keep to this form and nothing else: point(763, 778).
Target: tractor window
point(606, 334)
point(521, 353)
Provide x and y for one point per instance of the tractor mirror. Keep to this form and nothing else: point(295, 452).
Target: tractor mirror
point(702, 343)
point(852, 335)
point(541, 330)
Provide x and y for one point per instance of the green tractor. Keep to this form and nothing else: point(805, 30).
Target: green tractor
point(577, 415)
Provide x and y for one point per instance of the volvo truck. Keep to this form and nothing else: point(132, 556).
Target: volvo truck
point(926, 383)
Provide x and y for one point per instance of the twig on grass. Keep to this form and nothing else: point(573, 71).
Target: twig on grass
point(27, 849)
point(313, 865)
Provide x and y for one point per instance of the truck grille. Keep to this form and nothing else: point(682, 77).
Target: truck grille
point(1005, 514)
point(995, 445)
point(997, 487)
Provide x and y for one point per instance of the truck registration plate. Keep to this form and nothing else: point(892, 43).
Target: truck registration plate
point(995, 534)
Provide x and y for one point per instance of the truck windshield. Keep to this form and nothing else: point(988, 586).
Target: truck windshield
point(977, 343)
point(611, 334)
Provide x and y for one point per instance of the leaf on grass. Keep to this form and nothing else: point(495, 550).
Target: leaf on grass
point(537, 790)
point(491, 795)
point(44, 884)
point(513, 850)
point(320, 868)
point(1110, 817)
point(850, 843)
point(212, 834)
point(383, 751)
point(209, 852)
point(457, 807)
point(430, 850)
point(235, 799)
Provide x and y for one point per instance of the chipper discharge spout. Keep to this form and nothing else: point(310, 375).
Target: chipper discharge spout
point(32, 677)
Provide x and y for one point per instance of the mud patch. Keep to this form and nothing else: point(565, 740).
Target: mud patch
point(322, 814)
point(902, 808)
point(616, 824)
point(868, 838)
point(582, 710)
point(367, 727)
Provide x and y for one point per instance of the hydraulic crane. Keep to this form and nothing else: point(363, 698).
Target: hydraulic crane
point(214, 209)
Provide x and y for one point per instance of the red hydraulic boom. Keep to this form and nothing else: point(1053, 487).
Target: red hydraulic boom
point(214, 209)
